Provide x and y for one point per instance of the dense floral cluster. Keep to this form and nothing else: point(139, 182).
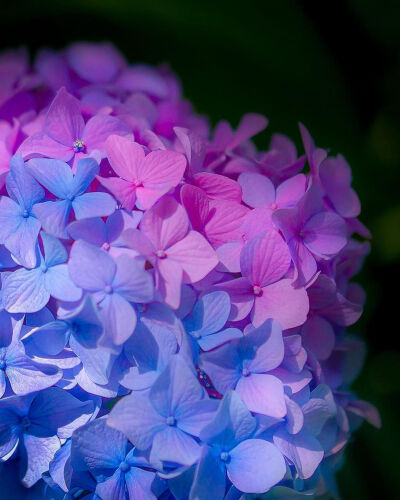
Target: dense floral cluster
point(173, 302)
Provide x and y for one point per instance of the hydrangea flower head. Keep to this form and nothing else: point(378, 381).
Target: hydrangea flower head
point(173, 301)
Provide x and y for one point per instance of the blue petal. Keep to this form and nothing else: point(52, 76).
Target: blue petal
point(209, 314)
point(232, 423)
point(97, 362)
point(10, 217)
point(21, 242)
point(93, 205)
point(58, 465)
point(175, 446)
point(119, 318)
point(92, 230)
point(26, 375)
point(132, 281)
point(169, 393)
point(91, 268)
point(139, 483)
point(55, 175)
point(86, 322)
point(6, 260)
point(21, 186)
point(54, 250)
point(55, 411)
point(53, 216)
point(97, 446)
point(209, 342)
point(113, 487)
point(40, 451)
point(209, 477)
point(52, 337)
point(255, 466)
point(146, 424)
point(86, 171)
point(24, 291)
point(59, 284)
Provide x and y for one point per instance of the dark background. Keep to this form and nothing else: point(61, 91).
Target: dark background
point(335, 66)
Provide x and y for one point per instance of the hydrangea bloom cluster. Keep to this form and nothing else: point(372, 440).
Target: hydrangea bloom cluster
point(173, 302)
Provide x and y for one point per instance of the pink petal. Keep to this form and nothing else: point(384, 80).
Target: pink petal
point(162, 167)
point(136, 240)
point(318, 337)
point(195, 255)
point(170, 285)
point(250, 125)
point(258, 190)
point(123, 191)
point(229, 257)
point(325, 233)
point(257, 221)
point(287, 220)
point(39, 144)
point(290, 191)
point(165, 223)
point(99, 128)
point(335, 174)
point(242, 297)
point(224, 221)
point(159, 172)
point(196, 204)
point(304, 261)
point(218, 186)
point(315, 156)
point(281, 301)
point(265, 258)
point(64, 122)
point(124, 156)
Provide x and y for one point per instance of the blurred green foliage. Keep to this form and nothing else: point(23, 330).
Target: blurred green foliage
point(335, 66)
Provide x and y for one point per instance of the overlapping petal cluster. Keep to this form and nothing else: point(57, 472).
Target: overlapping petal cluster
point(173, 302)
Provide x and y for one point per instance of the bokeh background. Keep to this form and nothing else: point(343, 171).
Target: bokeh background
point(335, 66)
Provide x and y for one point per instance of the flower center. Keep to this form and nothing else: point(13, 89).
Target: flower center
point(106, 246)
point(2, 364)
point(257, 290)
point(108, 289)
point(25, 214)
point(161, 254)
point(78, 146)
point(44, 268)
point(171, 421)
point(137, 183)
point(124, 467)
point(245, 372)
point(224, 456)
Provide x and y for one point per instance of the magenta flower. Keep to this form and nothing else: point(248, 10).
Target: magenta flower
point(65, 135)
point(259, 191)
point(311, 232)
point(176, 253)
point(262, 290)
point(142, 179)
point(219, 221)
